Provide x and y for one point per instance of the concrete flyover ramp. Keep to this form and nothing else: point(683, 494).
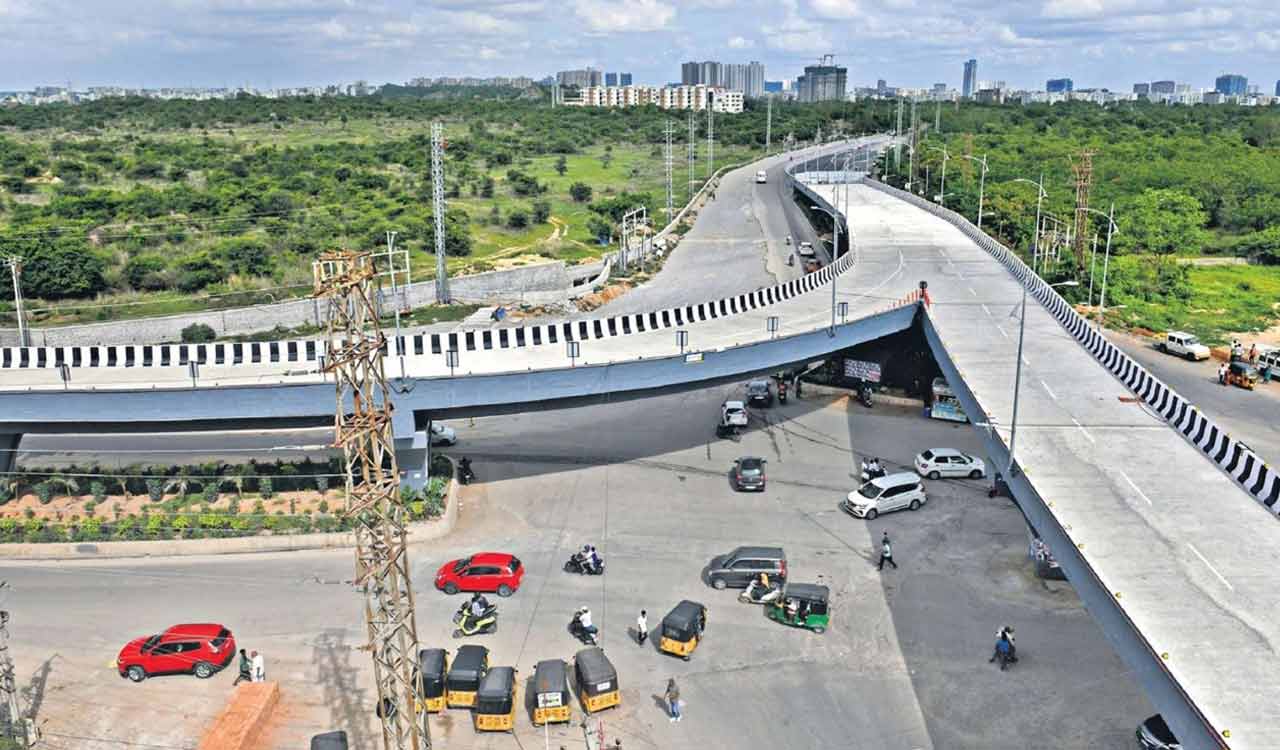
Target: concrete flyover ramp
point(1164, 524)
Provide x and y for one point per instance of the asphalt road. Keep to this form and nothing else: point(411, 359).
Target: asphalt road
point(1251, 416)
point(904, 665)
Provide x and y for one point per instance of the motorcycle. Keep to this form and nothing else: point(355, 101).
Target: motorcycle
point(755, 593)
point(864, 395)
point(868, 473)
point(578, 564)
point(465, 474)
point(577, 630)
point(468, 624)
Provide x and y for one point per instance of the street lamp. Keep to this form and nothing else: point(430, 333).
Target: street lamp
point(942, 189)
point(1035, 237)
point(1017, 378)
point(1106, 260)
point(835, 250)
point(982, 183)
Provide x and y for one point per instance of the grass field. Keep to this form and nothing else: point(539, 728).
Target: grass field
point(1223, 300)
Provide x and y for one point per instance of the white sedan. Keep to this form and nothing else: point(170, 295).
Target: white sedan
point(936, 463)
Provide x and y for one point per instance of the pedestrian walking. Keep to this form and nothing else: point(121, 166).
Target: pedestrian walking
point(1222, 375)
point(246, 669)
point(673, 700)
point(642, 628)
point(886, 552)
point(259, 667)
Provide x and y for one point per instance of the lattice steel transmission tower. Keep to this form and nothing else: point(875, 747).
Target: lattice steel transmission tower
point(671, 203)
point(437, 199)
point(1083, 169)
point(693, 151)
point(362, 428)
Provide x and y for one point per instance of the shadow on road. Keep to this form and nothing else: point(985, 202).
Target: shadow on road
point(348, 705)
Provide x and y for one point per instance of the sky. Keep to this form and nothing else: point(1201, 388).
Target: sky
point(276, 43)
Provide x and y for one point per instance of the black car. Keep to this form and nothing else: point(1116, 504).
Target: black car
point(748, 473)
point(759, 393)
point(739, 567)
point(1154, 734)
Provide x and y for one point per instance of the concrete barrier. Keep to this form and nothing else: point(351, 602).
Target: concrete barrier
point(240, 725)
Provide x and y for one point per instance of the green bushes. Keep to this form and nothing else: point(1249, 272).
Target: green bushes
point(198, 333)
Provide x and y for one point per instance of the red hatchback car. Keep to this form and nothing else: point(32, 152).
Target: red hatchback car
point(483, 571)
point(200, 649)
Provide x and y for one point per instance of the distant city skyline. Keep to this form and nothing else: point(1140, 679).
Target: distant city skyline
point(298, 43)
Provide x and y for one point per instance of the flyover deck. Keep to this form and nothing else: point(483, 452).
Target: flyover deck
point(1189, 556)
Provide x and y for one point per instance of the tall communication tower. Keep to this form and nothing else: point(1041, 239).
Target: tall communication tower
point(437, 199)
point(1083, 169)
point(711, 138)
point(693, 151)
point(353, 353)
point(670, 133)
point(768, 125)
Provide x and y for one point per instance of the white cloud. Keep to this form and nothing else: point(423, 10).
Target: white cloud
point(478, 23)
point(637, 15)
point(836, 8)
point(739, 42)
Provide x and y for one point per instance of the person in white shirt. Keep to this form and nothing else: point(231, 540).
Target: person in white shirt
point(259, 667)
point(642, 627)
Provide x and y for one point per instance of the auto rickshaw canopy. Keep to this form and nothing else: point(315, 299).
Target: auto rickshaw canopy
point(816, 595)
point(685, 621)
point(431, 672)
point(595, 672)
point(468, 667)
point(550, 677)
point(496, 691)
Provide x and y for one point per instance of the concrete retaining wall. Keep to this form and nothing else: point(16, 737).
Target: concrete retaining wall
point(241, 723)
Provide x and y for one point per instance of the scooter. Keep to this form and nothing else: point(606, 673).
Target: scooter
point(755, 593)
point(864, 395)
point(578, 564)
point(465, 474)
point(469, 624)
point(782, 391)
point(577, 630)
point(868, 474)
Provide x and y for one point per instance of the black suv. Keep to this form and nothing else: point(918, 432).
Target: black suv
point(737, 568)
point(759, 393)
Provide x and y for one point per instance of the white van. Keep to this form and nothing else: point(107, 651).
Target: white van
point(885, 494)
point(761, 177)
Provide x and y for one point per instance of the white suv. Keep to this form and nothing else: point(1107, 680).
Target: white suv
point(885, 494)
point(1184, 345)
point(948, 462)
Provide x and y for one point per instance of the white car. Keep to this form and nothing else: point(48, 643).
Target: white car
point(762, 177)
point(885, 494)
point(936, 463)
point(443, 434)
point(1183, 344)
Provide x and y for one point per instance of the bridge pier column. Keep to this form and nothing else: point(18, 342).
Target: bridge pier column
point(8, 453)
point(413, 454)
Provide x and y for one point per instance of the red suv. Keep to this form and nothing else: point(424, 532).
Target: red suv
point(200, 649)
point(483, 571)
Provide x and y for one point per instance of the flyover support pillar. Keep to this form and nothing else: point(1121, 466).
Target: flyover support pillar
point(413, 455)
point(8, 453)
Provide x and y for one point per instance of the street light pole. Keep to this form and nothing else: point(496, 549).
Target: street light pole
point(1035, 237)
point(15, 269)
point(835, 250)
point(1106, 259)
point(942, 189)
point(982, 183)
point(1017, 377)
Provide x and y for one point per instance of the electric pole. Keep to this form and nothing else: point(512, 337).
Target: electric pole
point(897, 143)
point(19, 726)
point(937, 118)
point(768, 124)
point(911, 168)
point(437, 195)
point(711, 138)
point(353, 353)
point(670, 133)
point(15, 269)
point(693, 150)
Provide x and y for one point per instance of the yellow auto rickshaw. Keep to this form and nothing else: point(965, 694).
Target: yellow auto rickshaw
point(1242, 374)
point(597, 680)
point(682, 629)
point(551, 692)
point(465, 673)
point(496, 701)
point(429, 679)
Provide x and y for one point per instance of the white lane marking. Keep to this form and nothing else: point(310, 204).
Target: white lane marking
point(1049, 390)
point(972, 292)
point(987, 310)
point(1026, 361)
point(1212, 569)
point(1141, 494)
point(1001, 330)
point(1083, 431)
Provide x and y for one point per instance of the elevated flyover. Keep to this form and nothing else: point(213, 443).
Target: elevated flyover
point(1160, 519)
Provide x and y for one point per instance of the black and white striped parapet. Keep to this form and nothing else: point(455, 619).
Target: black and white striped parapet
point(1234, 457)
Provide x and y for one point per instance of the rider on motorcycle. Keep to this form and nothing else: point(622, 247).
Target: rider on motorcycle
point(478, 604)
